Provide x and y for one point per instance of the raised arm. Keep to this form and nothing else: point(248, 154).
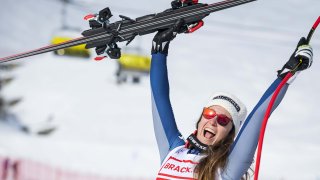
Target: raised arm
point(244, 147)
point(166, 131)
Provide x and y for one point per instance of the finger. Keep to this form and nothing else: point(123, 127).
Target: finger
point(179, 23)
point(304, 51)
point(302, 41)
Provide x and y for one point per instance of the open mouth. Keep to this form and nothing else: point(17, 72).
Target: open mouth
point(209, 134)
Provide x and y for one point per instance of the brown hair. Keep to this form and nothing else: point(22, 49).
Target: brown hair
point(216, 158)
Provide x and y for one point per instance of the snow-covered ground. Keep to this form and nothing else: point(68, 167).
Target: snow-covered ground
point(106, 129)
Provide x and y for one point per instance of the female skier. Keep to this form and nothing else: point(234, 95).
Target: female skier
point(219, 148)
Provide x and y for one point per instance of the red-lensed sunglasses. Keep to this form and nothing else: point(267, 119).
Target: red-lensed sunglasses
point(222, 119)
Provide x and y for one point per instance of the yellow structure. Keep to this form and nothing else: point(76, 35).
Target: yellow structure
point(132, 65)
point(135, 62)
point(79, 50)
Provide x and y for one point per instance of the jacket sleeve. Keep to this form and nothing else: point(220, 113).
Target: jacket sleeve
point(245, 144)
point(165, 128)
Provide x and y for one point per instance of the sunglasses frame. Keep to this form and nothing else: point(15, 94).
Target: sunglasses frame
point(222, 119)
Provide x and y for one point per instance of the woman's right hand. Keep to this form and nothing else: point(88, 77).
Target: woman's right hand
point(161, 40)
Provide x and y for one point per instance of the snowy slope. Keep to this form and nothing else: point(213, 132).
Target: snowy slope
point(110, 126)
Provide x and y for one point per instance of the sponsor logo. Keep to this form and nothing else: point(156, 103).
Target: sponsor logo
point(175, 168)
point(229, 100)
point(196, 143)
point(181, 137)
point(180, 151)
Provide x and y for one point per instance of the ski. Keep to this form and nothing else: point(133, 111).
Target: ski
point(104, 35)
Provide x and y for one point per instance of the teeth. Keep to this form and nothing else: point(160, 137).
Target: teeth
point(210, 130)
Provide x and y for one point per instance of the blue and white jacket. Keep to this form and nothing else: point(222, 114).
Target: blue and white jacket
point(177, 161)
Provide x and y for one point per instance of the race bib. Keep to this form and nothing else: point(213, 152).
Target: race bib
point(175, 169)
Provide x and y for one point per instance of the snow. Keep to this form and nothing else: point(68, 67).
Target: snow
point(107, 129)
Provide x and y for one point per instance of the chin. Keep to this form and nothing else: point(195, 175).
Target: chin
point(208, 142)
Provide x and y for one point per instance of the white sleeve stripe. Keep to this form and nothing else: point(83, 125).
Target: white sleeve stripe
point(163, 144)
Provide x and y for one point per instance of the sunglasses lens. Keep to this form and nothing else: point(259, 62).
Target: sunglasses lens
point(223, 120)
point(208, 113)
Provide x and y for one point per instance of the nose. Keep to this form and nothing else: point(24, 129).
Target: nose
point(213, 121)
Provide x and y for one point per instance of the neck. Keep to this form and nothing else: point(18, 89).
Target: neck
point(194, 142)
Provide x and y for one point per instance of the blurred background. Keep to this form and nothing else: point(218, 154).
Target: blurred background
point(65, 116)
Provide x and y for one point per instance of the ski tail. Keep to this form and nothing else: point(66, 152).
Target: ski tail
point(53, 47)
point(314, 27)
